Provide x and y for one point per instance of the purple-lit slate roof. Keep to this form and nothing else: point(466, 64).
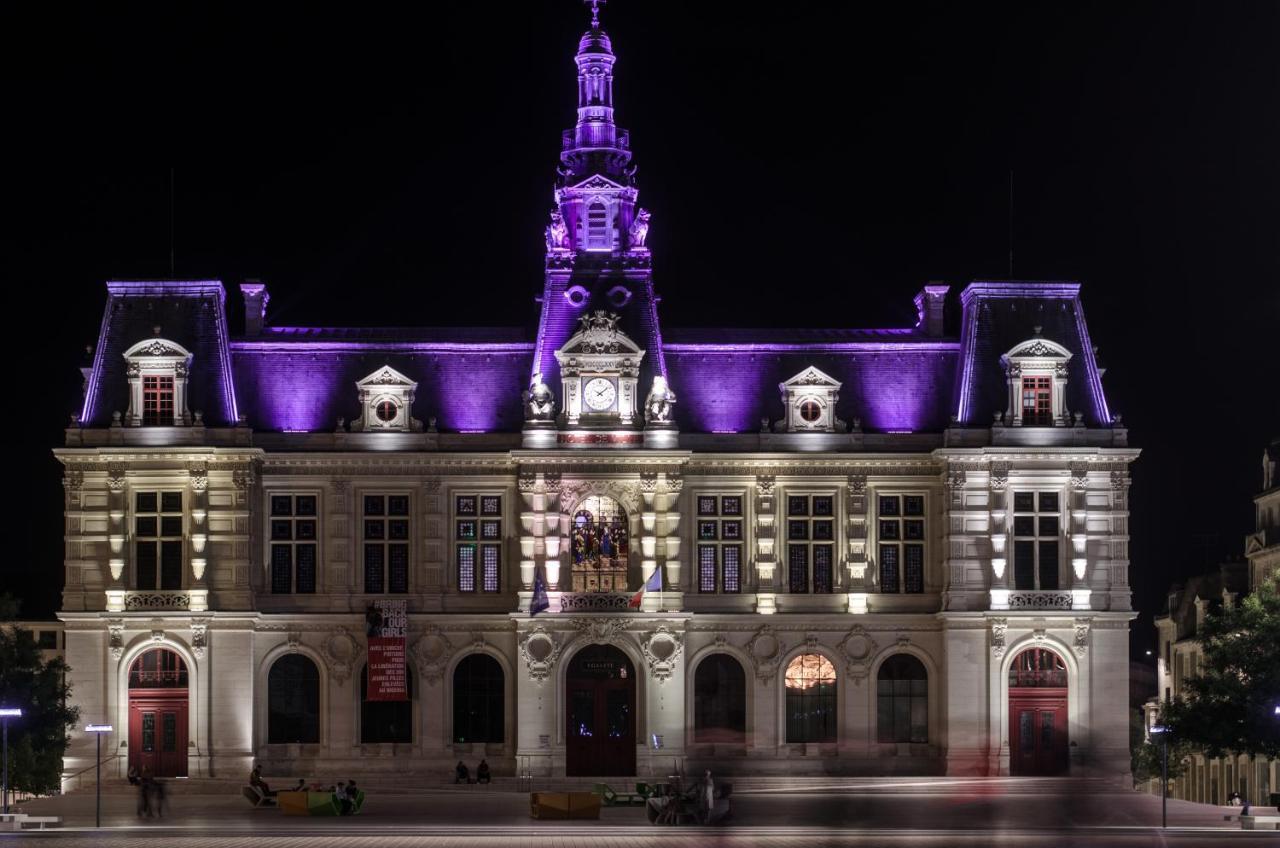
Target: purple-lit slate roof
point(190, 313)
point(471, 378)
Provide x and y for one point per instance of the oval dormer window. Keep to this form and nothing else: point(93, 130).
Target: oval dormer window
point(387, 410)
point(810, 411)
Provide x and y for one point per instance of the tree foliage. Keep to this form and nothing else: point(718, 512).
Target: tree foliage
point(1229, 707)
point(38, 739)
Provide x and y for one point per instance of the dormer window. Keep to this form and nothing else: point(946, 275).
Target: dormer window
point(157, 373)
point(1037, 373)
point(157, 400)
point(809, 399)
point(386, 399)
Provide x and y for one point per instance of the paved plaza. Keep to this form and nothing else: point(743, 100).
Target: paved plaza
point(884, 811)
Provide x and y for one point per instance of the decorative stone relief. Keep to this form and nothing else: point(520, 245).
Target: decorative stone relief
point(431, 653)
point(526, 482)
point(600, 630)
point(999, 629)
point(856, 648)
point(999, 476)
point(199, 638)
point(1079, 475)
point(539, 650)
point(1081, 645)
point(115, 638)
point(243, 480)
point(764, 485)
point(295, 641)
point(648, 481)
point(661, 649)
point(1039, 635)
point(115, 480)
point(765, 650)
point(199, 476)
point(157, 635)
point(341, 650)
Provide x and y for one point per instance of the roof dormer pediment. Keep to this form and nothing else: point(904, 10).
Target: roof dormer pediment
point(813, 377)
point(385, 376)
point(598, 182)
point(1038, 348)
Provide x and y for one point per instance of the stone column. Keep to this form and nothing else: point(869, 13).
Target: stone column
point(531, 526)
point(859, 584)
point(117, 537)
point(1078, 534)
point(997, 523)
point(198, 538)
point(766, 556)
point(669, 529)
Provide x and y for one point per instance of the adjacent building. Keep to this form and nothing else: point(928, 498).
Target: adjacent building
point(899, 550)
point(1212, 780)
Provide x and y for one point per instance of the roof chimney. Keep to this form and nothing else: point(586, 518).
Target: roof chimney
point(255, 306)
point(930, 309)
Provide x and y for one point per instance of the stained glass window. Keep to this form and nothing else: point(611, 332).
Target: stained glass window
point(901, 530)
point(810, 683)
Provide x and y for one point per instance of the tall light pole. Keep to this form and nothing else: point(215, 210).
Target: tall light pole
point(1163, 732)
point(98, 730)
point(7, 713)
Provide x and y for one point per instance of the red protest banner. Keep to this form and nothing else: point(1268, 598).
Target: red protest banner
point(387, 623)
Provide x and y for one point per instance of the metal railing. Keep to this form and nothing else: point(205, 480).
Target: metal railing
point(78, 777)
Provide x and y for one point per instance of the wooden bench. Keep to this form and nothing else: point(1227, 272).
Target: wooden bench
point(1260, 822)
point(611, 798)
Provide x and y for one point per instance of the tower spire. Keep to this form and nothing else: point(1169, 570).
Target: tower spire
point(595, 11)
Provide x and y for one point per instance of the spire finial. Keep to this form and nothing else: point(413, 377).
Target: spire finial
point(595, 11)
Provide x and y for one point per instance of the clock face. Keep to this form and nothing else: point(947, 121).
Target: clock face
point(599, 394)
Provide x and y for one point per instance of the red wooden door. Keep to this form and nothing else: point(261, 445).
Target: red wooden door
point(158, 733)
point(1038, 733)
point(600, 699)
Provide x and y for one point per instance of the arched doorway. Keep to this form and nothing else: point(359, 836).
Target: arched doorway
point(600, 708)
point(293, 701)
point(1037, 713)
point(158, 714)
point(479, 693)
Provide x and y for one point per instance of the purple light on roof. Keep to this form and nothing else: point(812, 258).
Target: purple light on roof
point(811, 347)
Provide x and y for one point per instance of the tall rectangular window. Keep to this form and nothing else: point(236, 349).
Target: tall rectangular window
point(157, 400)
point(293, 543)
point(900, 525)
point(811, 535)
point(720, 540)
point(1036, 533)
point(478, 542)
point(386, 544)
point(158, 541)
point(1037, 401)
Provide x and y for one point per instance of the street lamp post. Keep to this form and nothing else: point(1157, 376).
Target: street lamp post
point(7, 713)
point(98, 730)
point(1163, 732)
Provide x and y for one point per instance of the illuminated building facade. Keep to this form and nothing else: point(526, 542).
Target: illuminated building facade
point(881, 551)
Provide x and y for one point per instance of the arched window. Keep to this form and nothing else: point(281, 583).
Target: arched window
point(385, 721)
point(600, 545)
point(902, 689)
point(1038, 668)
point(159, 668)
point(598, 227)
point(293, 701)
point(811, 699)
point(720, 700)
point(478, 700)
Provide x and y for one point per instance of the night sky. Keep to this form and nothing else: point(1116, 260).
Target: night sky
point(806, 164)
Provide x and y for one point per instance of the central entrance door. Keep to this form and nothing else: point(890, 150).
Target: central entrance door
point(1038, 714)
point(600, 704)
point(158, 714)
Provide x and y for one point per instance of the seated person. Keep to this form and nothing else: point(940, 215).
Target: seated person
point(349, 804)
point(302, 785)
point(256, 781)
point(482, 772)
point(461, 774)
point(344, 803)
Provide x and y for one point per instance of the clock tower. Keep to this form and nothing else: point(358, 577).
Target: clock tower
point(598, 283)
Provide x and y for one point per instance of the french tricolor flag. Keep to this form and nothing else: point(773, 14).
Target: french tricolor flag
point(653, 584)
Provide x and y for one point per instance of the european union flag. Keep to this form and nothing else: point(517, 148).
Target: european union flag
point(539, 602)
